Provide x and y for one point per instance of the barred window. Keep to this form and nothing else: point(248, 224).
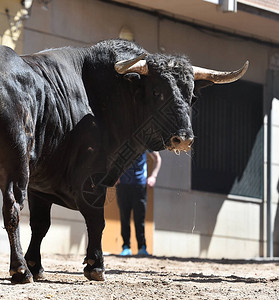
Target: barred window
point(228, 148)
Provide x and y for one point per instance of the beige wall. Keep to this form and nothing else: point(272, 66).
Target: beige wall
point(206, 225)
point(11, 26)
point(73, 22)
point(186, 223)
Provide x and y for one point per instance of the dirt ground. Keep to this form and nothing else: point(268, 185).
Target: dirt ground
point(149, 278)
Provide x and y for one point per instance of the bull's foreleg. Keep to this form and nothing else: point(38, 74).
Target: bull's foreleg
point(95, 222)
point(94, 260)
point(40, 223)
point(13, 196)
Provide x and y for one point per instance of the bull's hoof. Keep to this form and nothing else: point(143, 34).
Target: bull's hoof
point(39, 276)
point(21, 276)
point(96, 274)
point(36, 269)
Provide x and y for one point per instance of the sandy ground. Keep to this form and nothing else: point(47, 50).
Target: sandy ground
point(149, 278)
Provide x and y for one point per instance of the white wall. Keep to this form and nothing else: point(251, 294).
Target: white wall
point(67, 233)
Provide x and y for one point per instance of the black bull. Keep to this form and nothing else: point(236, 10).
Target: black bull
point(72, 120)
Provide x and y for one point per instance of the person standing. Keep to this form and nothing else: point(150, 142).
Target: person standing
point(132, 196)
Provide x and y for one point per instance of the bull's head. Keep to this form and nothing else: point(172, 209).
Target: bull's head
point(177, 78)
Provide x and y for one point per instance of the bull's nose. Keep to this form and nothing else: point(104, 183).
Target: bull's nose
point(181, 144)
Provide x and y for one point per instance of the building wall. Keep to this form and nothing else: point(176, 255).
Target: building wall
point(269, 5)
point(220, 222)
point(11, 27)
point(186, 222)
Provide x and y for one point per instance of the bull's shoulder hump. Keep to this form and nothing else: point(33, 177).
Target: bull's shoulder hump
point(7, 54)
point(6, 49)
point(9, 59)
point(14, 66)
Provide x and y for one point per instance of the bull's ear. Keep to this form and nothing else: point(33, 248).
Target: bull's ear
point(132, 77)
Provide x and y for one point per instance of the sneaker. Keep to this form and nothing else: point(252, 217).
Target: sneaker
point(126, 251)
point(142, 251)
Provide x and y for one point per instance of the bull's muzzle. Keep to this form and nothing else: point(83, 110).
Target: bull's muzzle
point(180, 143)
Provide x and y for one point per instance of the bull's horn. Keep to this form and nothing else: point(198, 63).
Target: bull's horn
point(219, 77)
point(136, 65)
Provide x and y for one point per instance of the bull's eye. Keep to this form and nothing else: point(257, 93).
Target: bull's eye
point(158, 95)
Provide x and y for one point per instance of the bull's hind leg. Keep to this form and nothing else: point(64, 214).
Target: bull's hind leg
point(14, 193)
point(40, 223)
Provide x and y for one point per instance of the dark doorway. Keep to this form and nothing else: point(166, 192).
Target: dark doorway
point(228, 148)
